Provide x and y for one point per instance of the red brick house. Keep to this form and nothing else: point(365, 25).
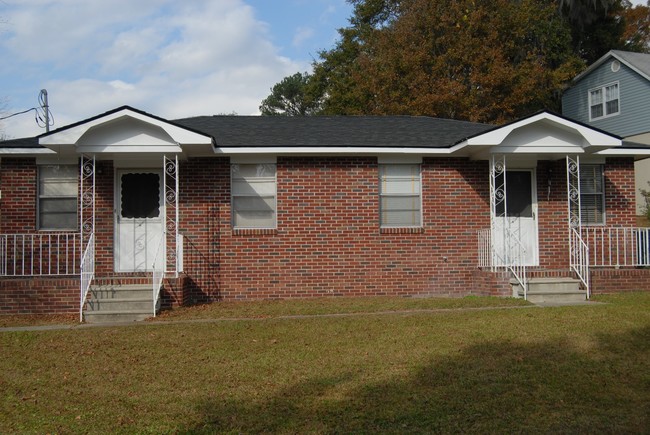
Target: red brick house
point(227, 207)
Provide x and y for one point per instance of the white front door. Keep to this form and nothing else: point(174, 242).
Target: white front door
point(139, 220)
point(520, 217)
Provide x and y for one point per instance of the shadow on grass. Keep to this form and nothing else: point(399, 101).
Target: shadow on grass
point(601, 385)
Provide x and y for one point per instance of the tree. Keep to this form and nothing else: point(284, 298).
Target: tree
point(292, 96)
point(478, 60)
point(637, 27)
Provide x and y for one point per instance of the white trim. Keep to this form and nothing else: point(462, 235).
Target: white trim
point(399, 160)
point(603, 89)
point(591, 136)
point(71, 135)
point(26, 151)
point(602, 60)
point(253, 160)
point(333, 151)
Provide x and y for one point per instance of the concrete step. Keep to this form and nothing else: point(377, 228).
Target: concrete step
point(116, 316)
point(552, 290)
point(117, 304)
point(126, 291)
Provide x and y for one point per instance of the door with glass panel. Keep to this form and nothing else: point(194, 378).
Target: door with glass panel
point(139, 220)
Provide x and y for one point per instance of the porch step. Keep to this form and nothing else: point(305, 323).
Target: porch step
point(552, 290)
point(118, 303)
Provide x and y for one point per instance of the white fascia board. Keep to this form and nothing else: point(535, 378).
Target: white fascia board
point(129, 150)
point(591, 136)
point(26, 151)
point(625, 152)
point(537, 150)
point(300, 151)
point(71, 135)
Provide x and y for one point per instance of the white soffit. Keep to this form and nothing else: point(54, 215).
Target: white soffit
point(544, 131)
point(109, 128)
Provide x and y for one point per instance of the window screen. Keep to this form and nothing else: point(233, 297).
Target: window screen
point(592, 194)
point(519, 197)
point(140, 195)
point(57, 197)
point(399, 196)
point(253, 188)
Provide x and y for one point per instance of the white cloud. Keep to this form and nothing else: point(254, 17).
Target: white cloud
point(170, 58)
point(302, 34)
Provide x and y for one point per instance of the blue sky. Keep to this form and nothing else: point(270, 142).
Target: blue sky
point(172, 58)
point(168, 57)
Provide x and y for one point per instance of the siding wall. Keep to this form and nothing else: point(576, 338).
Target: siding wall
point(634, 116)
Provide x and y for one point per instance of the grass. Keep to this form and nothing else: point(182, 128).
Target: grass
point(38, 319)
point(569, 369)
point(333, 305)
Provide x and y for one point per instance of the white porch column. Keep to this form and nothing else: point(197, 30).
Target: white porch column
point(170, 181)
point(498, 219)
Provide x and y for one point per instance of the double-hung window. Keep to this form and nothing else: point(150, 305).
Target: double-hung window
point(253, 195)
point(604, 101)
point(57, 197)
point(400, 195)
point(592, 195)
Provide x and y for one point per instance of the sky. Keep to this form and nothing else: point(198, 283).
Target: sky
point(170, 58)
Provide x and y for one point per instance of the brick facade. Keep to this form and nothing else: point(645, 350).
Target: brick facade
point(328, 241)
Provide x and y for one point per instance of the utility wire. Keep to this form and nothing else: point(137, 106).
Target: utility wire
point(42, 114)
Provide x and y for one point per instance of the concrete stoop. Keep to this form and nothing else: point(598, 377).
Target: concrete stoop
point(118, 303)
point(552, 291)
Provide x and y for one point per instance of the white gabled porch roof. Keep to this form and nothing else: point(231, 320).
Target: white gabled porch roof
point(126, 130)
point(543, 135)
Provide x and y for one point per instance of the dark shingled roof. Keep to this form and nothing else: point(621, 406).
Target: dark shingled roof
point(312, 131)
point(333, 131)
point(26, 142)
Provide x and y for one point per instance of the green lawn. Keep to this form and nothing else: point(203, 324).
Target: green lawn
point(571, 369)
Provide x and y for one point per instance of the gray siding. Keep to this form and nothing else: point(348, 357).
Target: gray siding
point(634, 94)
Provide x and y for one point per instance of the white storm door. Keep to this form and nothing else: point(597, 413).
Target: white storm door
point(520, 216)
point(139, 220)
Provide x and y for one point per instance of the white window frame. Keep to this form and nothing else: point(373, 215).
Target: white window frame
point(41, 196)
point(604, 101)
point(603, 213)
point(274, 196)
point(383, 196)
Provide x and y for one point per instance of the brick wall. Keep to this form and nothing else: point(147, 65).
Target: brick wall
point(328, 240)
point(18, 185)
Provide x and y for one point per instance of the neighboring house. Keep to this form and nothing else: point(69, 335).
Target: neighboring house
point(227, 207)
point(613, 94)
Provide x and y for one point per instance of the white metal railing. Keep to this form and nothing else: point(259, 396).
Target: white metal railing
point(617, 246)
point(87, 272)
point(514, 260)
point(579, 257)
point(39, 254)
point(158, 273)
point(484, 248)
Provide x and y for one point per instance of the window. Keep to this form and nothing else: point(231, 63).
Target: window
point(399, 196)
point(603, 101)
point(140, 195)
point(57, 197)
point(253, 195)
point(592, 194)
